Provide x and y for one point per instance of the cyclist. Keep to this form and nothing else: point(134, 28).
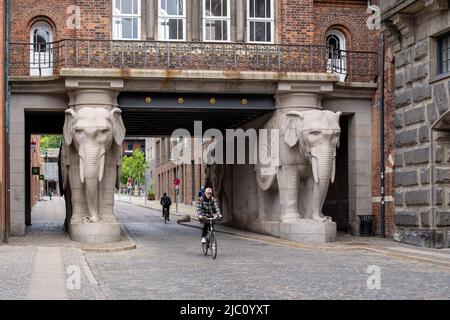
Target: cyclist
point(207, 206)
point(166, 203)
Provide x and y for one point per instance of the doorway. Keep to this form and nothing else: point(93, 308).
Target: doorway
point(337, 201)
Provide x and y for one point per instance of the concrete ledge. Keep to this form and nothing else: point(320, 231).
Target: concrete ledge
point(197, 74)
point(304, 230)
point(95, 233)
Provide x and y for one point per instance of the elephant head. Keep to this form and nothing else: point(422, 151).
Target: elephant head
point(317, 135)
point(92, 131)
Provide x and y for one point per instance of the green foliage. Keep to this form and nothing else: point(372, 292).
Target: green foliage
point(50, 141)
point(134, 166)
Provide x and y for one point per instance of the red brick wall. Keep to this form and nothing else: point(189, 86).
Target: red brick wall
point(294, 21)
point(95, 18)
point(350, 17)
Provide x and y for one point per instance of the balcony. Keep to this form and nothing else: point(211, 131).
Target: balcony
point(41, 60)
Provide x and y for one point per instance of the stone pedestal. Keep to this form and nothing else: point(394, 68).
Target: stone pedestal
point(304, 230)
point(95, 233)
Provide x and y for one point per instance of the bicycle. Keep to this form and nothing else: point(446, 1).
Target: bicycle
point(211, 241)
point(166, 214)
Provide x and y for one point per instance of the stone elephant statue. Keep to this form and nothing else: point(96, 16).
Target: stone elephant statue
point(307, 144)
point(91, 156)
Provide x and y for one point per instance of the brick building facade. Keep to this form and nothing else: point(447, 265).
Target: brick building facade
point(288, 43)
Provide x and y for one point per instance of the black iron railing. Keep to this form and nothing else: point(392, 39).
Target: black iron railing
point(47, 59)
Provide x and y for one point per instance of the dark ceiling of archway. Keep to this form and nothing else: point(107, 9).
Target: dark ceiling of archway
point(165, 113)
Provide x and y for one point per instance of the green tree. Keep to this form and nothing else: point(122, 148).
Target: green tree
point(134, 166)
point(50, 141)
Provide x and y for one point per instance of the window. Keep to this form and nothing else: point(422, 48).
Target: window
point(172, 20)
point(127, 20)
point(41, 35)
point(41, 51)
point(444, 54)
point(260, 21)
point(216, 20)
point(337, 60)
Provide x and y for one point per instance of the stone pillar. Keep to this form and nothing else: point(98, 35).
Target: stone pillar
point(240, 21)
point(17, 168)
point(91, 220)
point(195, 21)
point(359, 168)
point(150, 11)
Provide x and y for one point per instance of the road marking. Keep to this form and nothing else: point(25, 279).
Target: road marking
point(48, 280)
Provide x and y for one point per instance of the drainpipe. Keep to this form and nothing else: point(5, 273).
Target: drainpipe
point(7, 94)
point(382, 165)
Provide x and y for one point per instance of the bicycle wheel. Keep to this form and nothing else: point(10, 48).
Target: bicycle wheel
point(205, 247)
point(213, 245)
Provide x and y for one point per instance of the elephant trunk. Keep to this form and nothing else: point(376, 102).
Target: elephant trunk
point(92, 166)
point(323, 166)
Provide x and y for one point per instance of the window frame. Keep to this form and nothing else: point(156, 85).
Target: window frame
point(226, 18)
point(41, 24)
point(256, 19)
point(120, 16)
point(173, 17)
point(441, 54)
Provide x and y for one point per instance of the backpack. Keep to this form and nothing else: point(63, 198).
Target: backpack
point(166, 201)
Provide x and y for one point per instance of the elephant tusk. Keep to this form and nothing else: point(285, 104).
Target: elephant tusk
point(101, 169)
point(315, 169)
point(81, 170)
point(333, 170)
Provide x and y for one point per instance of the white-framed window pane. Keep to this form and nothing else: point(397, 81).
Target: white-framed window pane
point(126, 7)
point(216, 30)
point(171, 29)
point(216, 8)
point(126, 28)
point(260, 9)
point(172, 7)
point(260, 31)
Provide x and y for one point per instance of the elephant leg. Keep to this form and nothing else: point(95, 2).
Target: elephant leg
point(261, 205)
point(288, 184)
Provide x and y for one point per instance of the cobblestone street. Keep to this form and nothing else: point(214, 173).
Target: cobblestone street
point(168, 264)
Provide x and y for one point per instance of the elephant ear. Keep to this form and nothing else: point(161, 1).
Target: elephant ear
point(118, 155)
point(338, 114)
point(291, 128)
point(68, 126)
point(119, 128)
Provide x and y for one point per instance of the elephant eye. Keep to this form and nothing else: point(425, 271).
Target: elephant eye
point(315, 133)
point(104, 130)
point(78, 131)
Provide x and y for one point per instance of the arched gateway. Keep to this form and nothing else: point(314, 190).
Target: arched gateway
point(309, 108)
